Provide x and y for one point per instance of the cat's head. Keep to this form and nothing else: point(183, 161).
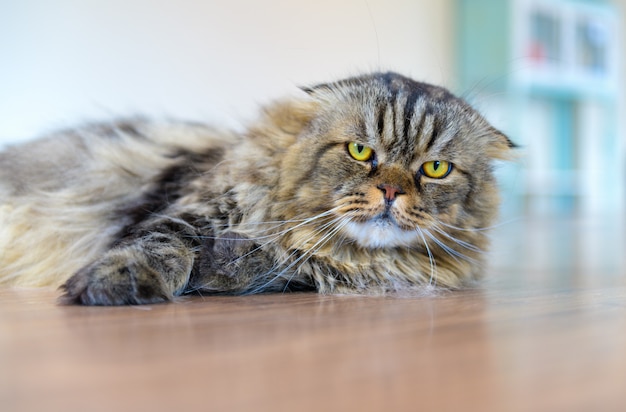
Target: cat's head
point(388, 162)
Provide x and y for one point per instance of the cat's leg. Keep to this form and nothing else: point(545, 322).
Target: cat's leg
point(153, 264)
point(168, 257)
point(231, 264)
point(235, 264)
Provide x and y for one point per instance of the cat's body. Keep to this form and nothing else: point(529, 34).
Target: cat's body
point(371, 184)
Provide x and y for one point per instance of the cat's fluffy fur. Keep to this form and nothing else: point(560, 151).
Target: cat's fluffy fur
point(137, 212)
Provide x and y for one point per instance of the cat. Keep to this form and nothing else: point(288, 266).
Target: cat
point(372, 184)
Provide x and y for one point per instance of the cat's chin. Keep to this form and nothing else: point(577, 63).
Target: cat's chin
point(380, 233)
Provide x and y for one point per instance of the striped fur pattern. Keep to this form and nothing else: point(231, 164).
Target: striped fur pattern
point(140, 212)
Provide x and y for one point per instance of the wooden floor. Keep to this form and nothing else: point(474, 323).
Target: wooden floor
point(546, 331)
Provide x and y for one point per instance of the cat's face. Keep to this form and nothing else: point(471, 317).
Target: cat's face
point(393, 162)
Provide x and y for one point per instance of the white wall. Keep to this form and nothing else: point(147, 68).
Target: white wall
point(67, 61)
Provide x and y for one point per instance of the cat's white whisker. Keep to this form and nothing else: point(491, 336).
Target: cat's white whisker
point(459, 242)
point(308, 253)
point(275, 236)
point(433, 264)
point(480, 229)
point(343, 221)
point(455, 254)
point(295, 262)
point(282, 261)
point(276, 223)
point(301, 222)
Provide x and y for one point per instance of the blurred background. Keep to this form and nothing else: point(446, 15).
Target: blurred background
point(549, 73)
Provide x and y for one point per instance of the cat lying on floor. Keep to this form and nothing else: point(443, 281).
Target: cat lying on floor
point(370, 184)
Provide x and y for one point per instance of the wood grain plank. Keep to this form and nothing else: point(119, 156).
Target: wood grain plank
point(545, 335)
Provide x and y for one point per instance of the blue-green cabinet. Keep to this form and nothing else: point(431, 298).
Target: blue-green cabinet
point(546, 71)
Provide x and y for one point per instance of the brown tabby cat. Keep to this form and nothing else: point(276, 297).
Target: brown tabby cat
point(371, 184)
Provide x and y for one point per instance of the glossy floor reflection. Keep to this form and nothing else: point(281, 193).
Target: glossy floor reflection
point(545, 331)
point(561, 253)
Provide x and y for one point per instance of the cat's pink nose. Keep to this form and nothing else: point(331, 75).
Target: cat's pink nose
point(390, 192)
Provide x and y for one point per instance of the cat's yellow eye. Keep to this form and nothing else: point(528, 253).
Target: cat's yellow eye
point(436, 169)
point(360, 152)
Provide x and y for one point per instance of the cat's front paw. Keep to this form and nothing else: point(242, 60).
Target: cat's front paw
point(116, 279)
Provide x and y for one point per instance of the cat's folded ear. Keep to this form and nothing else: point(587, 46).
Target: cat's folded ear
point(291, 116)
point(500, 146)
point(316, 89)
point(323, 92)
